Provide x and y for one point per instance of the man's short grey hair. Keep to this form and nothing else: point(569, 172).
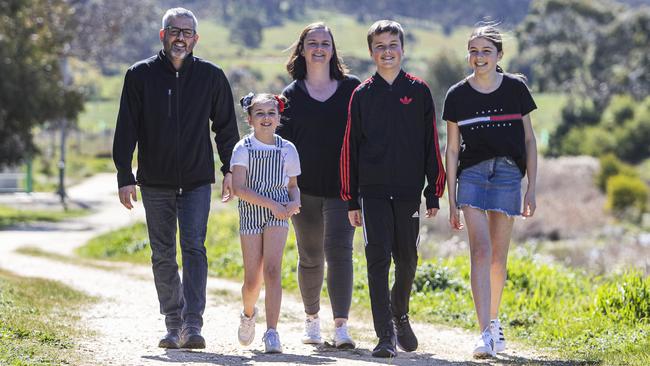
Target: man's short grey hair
point(178, 12)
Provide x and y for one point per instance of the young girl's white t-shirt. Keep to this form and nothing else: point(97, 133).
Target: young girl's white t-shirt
point(289, 153)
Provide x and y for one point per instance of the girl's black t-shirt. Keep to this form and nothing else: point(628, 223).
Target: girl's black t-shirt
point(490, 124)
point(316, 129)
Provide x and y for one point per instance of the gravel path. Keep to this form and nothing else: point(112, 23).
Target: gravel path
point(125, 324)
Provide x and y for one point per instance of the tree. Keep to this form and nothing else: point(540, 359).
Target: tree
point(621, 63)
point(557, 42)
point(247, 31)
point(32, 40)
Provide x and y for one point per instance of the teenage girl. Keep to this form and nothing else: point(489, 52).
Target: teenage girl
point(490, 148)
point(264, 168)
point(315, 121)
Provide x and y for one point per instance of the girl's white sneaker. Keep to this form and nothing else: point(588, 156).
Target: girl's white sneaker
point(484, 347)
point(246, 332)
point(497, 334)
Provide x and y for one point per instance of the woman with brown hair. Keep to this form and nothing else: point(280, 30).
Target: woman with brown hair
point(315, 122)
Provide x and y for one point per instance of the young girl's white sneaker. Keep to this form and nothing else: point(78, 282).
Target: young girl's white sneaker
point(246, 332)
point(272, 341)
point(342, 339)
point(312, 331)
point(497, 334)
point(484, 347)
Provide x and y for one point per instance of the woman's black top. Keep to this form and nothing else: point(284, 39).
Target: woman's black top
point(316, 129)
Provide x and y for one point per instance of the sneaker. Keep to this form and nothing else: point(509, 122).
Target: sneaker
point(246, 332)
point(312, 331)
point(272, 341)
point(406, 339)
point(191, 338)
point(386, 347)
point(171, 340)
point(342, 339)
point(497, 334)
point(484, 345)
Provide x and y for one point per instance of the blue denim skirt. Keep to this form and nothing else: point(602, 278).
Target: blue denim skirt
point(491, 185)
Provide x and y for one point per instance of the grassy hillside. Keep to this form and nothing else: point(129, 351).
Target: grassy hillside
point(423, 43)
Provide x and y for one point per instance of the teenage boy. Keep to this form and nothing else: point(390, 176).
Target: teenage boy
point(390, 146)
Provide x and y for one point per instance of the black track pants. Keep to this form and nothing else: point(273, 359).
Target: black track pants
point(391, 228)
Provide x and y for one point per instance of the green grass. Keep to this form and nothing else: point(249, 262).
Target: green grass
point(11, 216)
point(38, 321)
point(79, 165)
point(547, 116)
point(567, 312)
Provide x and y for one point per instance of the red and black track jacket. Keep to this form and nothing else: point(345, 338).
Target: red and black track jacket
point(391, 143)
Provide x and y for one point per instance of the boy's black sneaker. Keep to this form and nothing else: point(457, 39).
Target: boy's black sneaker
point(406, 339)
point(386, 347)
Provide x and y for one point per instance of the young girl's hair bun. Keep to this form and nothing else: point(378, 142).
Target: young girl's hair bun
point(246, 100)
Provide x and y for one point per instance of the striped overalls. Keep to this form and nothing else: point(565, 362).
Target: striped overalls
point(266, 177)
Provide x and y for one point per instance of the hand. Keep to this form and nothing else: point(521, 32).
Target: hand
point(226, 188)
point(431, 212)
point(454, 218)
point(529, 204)
point(355, 217)
point(279, 211)
point(293, 208)
point(127, 193)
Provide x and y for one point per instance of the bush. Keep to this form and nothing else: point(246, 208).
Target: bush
point(432, 277)
point(625, 193)
point(627, 299)
point(610, 166)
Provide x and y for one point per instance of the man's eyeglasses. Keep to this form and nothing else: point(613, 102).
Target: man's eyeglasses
point(175, 32)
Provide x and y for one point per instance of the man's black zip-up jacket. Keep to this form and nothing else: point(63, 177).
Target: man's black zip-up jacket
point(166, 112)
point(391, 143)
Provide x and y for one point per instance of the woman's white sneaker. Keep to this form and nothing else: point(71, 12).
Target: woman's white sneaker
point(484, 347)
point(497, 333)
point(342, 339)
point(246, 332)
point(312, 331)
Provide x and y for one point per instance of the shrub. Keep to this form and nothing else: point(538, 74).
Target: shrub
point(627, 299)
point(625, 192)
point(432, 277)
point(610, 166)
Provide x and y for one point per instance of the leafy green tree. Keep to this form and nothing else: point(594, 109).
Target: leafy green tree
point(557, 42)
point(621, 62)
point(445, 71)
point(32, 39)
point(247, 31)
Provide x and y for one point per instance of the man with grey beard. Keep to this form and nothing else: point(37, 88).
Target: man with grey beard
point(168, 101)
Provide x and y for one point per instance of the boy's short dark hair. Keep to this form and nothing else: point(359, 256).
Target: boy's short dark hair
point(383, 26)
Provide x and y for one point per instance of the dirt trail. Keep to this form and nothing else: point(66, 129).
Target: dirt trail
point(125, 323)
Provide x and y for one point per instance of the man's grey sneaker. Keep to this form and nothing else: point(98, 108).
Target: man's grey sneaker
point(342, 339)
point(484, 347)
point(171, 340)
point(272, 341)
point(497, 334)
point(385, 347)
point(246, 332)
point(312, 331)
point(191, 338)
point(406, 339)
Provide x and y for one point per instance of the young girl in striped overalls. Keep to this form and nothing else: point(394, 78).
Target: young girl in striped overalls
point(264, 168)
